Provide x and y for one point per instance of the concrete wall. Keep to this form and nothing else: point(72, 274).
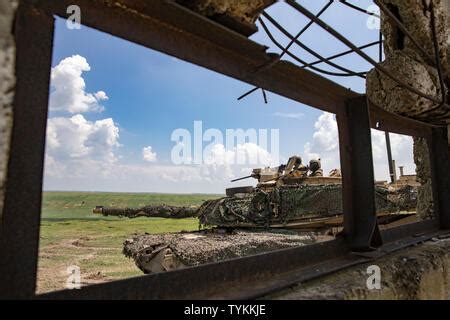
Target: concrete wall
point(447, 5)
point(420, 272)
point(7, 83)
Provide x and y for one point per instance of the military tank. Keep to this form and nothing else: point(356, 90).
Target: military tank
point(291, 205)
point(298, 196)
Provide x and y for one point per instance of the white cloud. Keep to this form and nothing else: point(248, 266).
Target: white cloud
point(225, 164)
point(76, 138)
point(75, 143)
point(402, 153)
point(325, 145)
point(84, 153)
point(148, 155)
point(87, 172)
point(101, 95)
point(68, 88)
point(297, 115)
point(243, 154)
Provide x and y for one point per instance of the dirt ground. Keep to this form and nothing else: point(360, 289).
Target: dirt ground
point(95, 247)
point(71, 235)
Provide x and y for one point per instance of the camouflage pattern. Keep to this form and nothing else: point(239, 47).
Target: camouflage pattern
point(290, 203)
point(165, 252)
point(160, 211)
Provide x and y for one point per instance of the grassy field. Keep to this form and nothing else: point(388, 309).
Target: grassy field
point(72, 235)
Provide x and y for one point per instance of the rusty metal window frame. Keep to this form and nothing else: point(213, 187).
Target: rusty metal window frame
point(170, 28)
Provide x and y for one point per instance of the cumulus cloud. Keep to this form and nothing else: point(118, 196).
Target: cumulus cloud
point(325, 145)
point(296, 115)
point(75, 144)
point(68, 88)
point(88, 173)
point(76, 138)
point(148, 155)
point(243, 154)
point(402, 153)
point(224, 164)
point(325, 142)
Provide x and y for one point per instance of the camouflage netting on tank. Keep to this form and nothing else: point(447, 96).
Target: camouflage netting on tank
point(306, 201)
point(403, 199)
point(291, 203)
point(211, 246)
point(162, 211)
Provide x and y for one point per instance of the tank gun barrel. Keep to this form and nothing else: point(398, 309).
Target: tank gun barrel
point(243, 178)
point(159, 211)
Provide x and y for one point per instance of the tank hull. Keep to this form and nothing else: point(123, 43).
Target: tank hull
point(307, 205)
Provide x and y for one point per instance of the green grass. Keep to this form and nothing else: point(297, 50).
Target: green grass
point(79, 205)
point(72, 235)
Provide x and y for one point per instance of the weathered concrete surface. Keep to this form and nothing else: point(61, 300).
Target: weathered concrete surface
point(417, 19)
point(385, 92)
point(407, 62)
point(420, 272)
point(423, 174)
point(447, 9)
point(242, 10)
point(7, 83)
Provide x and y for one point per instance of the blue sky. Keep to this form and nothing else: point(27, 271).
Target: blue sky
point(150, 94)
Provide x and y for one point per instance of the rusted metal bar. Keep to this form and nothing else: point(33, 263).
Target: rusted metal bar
point(298, 35)
point(440, 173)
point(409, 230)
point(220, 279)
point(264, 95)
point(177, 31)
point(389, 155)
point(19, 242)
point(253, 276)
point(396, 22)
point(358, 8)
point(285, 49)
point(348, 43)
point(360, 221)
point(438, 64)
point(391, 163)
point(380, 47)
point(247, 93)
point(383, 120)
point(171, 29)
point(309, 50)
point(272, 38)
point(339, 55)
